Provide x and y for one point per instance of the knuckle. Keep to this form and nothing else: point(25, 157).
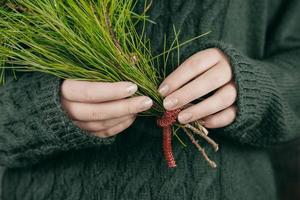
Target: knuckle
point(219, 79)
point(119, 128)
point(222, 79)
point(106, 124)
point(130, 119)
point(214, 53)
point(115, 130)
point(212, 122)
point(227, 101)
point(233, 94)
point(95, 115)
point(86, 126)
point(110, 132)
point(213, 50)
point(231, 85)
point(88, 93)
point(122, 126)
point(72, 110)
point(133, 105)
point(219, 102)
point(133, 118)
point(229, 97)
point(101, 134)
point(228, 74)
point(232, 112)
point(221, 74)
point(129, 107)
point(227, 117)
point(95, 126)
point(220, 55)
point(192, 61)
point(195, 64)
point(128, 123)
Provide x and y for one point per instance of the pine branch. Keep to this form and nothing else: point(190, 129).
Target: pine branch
point(201, 150)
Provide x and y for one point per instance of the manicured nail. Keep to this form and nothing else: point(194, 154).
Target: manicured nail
point(132, 89)
point(163, 89)
point(184, 117)
point(147, 103)
point(170, 103)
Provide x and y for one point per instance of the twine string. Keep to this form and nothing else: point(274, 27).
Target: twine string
point(165, 122)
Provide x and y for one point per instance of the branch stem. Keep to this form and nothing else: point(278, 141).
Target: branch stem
point(201, 149)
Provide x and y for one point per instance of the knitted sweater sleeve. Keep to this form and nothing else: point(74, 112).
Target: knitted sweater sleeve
point(32, 123)
point(268, 97)
point(268, 88)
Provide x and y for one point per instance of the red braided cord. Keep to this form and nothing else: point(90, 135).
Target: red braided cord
point(166, 122)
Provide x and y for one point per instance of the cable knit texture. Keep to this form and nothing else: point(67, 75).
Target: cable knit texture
point(48, 157)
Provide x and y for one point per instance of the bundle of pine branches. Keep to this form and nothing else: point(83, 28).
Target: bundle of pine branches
point(91, 40)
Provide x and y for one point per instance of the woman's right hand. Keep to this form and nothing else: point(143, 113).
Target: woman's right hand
point(103, 109)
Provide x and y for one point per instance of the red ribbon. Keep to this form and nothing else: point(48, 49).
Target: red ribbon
point(166, 121)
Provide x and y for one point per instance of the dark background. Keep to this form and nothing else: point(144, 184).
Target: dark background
point(286, 160)
point(1, 173)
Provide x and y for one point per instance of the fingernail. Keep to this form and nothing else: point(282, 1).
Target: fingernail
point(132, 89)
point(170, 103)
point(147, 103)
point(163, 89)
point(184, 117)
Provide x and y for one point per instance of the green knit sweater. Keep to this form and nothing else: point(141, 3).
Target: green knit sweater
point(48, 157)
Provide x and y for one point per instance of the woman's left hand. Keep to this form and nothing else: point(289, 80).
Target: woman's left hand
point(206, 71)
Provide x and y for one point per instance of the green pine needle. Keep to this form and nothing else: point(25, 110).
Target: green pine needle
point(91, 40)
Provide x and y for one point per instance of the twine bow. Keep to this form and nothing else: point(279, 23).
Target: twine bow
point(165, 122)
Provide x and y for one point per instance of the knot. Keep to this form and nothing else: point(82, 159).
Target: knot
point(169, 118)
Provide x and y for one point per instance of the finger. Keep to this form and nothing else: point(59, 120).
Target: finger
point(107, 110)
point(192, 67)
point(95, 126)
point(220, 100)
point(95, 92)
point(114, 130)
point(221, 119)
point(214, 78)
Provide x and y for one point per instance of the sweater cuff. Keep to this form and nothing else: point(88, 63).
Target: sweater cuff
point(254, 88)
point(68, 135)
